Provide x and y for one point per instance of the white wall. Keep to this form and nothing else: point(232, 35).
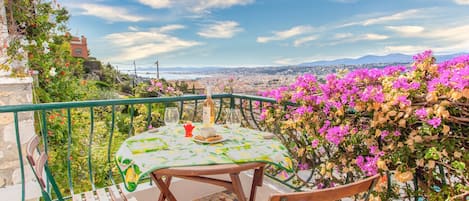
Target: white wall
point(13, 91)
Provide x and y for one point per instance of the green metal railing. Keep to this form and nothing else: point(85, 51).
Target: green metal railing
point(245, 103)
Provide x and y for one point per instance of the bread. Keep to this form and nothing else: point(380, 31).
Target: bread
point(199, 137)
point(214, 138)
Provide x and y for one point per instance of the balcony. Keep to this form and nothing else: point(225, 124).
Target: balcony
point(82, 137)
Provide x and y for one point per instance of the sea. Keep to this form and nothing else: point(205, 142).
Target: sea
point(173, 75)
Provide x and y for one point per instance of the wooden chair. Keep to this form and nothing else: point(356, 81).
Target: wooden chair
point(330, 194)
point(43, 176)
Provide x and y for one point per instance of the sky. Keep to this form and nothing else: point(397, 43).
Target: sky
point(249, 33)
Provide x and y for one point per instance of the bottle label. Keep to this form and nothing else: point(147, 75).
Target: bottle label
point(206, 116)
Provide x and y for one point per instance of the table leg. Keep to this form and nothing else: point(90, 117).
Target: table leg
point(256, 181)
point(167, 182)
point(238, 189)
point(163, 187)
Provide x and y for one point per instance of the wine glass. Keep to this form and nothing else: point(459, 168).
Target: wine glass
point(233, 118)
point(171, 116)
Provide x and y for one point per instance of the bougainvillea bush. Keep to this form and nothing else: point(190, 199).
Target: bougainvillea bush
point(407, 122)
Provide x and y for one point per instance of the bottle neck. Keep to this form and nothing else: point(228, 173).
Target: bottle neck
point(209, 93)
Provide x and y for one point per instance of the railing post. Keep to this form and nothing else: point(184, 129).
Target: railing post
point(20, 155)
point(69, 150)
point(90, 167)
point(232, 101)
point(70, 139)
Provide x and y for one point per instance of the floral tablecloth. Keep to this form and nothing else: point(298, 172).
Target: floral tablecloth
point(167, 147)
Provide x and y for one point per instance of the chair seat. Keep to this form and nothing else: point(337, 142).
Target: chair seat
point(110, 193)
point(44, 177)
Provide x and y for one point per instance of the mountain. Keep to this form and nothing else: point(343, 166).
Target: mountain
point(370, 59)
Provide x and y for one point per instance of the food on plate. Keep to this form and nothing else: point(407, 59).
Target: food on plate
point(199, 137)
point(214, 138)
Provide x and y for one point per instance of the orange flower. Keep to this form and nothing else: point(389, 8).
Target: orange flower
point(446, 129)
point(403, 176)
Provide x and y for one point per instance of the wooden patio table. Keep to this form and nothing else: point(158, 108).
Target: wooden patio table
point(198, 173)
point(164, 153)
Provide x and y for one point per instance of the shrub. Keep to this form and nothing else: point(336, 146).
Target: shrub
point(413, 122)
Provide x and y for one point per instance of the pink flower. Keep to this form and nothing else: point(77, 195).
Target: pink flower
point(284, 174)
point(315, 143)
point(321, 186)
point(303, 110)
point(336, 134)
point(263, 114)
point(384, 134)
point(435, 122)
point(402, 83)
point(368, 165)
point(403, 100)
point(422, 56)
point(421, 113)
point(324, 127)
point(303, 166)
point(169, 90)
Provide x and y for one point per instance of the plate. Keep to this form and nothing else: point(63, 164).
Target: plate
point(209, 142)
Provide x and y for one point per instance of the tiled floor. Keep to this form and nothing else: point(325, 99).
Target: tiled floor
point(187, 190)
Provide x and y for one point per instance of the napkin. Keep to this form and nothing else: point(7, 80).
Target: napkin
point(145, 145)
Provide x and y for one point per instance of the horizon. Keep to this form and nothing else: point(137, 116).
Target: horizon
point(169, 68)
point(251, 33)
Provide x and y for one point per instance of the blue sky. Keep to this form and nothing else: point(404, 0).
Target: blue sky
point(265, 32)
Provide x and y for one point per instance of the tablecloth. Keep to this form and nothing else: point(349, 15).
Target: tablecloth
point(167, 147)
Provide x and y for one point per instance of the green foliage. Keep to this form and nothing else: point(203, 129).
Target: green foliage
point(39, 35)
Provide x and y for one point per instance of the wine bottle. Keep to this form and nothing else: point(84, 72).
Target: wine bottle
point(208, 113)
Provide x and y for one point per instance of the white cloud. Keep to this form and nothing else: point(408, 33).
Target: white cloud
point(404, 15)
point(372, 36)
point(282, 35)
point(350, 38)
point(110, 13)
point(133, 28)
point(169, 28)
point(405, 49)
point(194, 6)
point(462, 2)
point(221, 29)
point(455, 34)
point(442, 40)
point(344, 1)
point(157, 4)
point(406, 30)
point(143, 44)
point(205, 5)
point(342, 35)
point(301, 41)
point(395, 17)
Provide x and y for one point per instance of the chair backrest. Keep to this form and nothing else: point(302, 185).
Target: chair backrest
point(330, 194)
point(39, 167)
